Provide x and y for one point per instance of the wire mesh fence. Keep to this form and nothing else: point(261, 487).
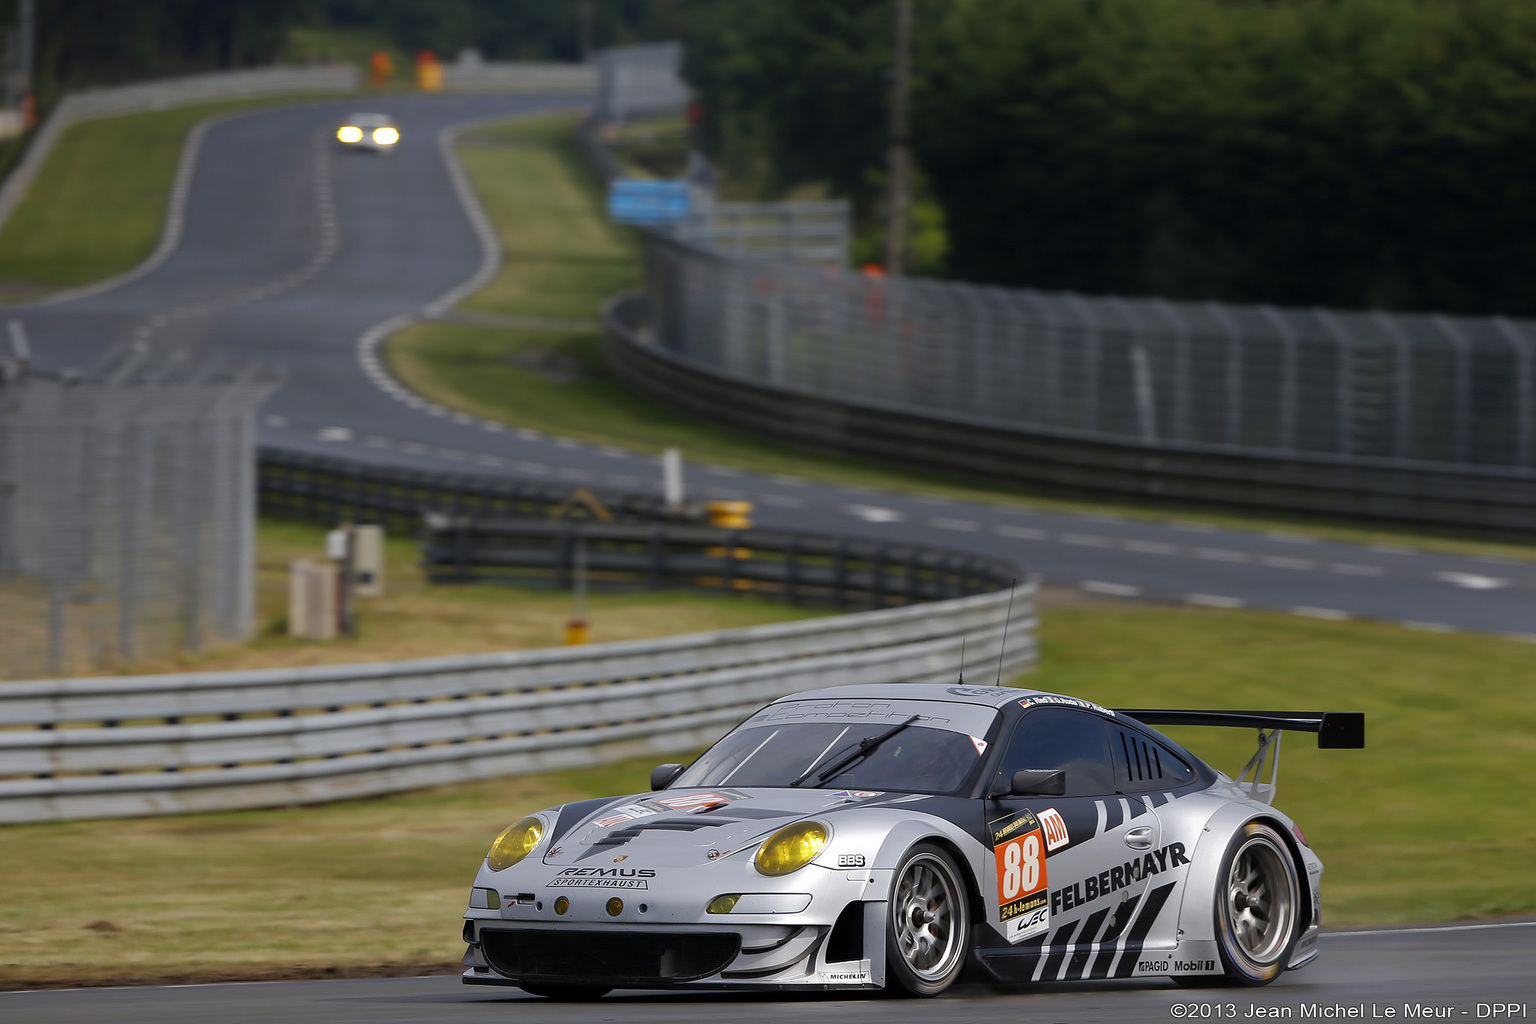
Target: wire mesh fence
point(126, 516)
point(1348, 385)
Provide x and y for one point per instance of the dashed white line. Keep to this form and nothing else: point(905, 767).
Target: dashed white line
point(1472, 581)
point(529, 435)
point(1281, 562)
point(1428, 627)
point(566, 442)
point(1349, 569)
point(1020, 532)
point(1112, 589)
point(491, 428)
point(962, 525)
point(1327, 614)
point(613, 453)
point(1149, 547)
point(334, 434)
point(875, 514)
point(1214, 601)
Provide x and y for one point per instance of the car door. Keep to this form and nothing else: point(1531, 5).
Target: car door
point(1069, 868)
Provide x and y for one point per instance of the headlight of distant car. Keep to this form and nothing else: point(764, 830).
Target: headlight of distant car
point(386, 136)
point(792, 847)
point(515, 843)
point(349, 133)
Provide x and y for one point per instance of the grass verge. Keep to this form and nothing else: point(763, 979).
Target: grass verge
point(1433, 821)
point(417, 619)
point(563, 259)
point(97, 206)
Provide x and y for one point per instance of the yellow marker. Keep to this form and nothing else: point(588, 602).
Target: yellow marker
point(577, 633)
point(731, 515)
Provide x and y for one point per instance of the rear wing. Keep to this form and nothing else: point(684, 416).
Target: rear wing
point(1335, 729)
point(1342, 730)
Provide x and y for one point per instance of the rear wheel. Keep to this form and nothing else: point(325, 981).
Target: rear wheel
point(928, 926)
point(566, 993)
point(1258, 903)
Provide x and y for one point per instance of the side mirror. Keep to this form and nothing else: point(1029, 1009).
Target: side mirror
point(663, 774)
point(1038, 782)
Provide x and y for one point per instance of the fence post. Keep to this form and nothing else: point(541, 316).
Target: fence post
point(1462, 384)
point(1287, 375)
point(1523, 404)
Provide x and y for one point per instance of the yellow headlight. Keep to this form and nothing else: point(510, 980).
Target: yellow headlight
point(386, 136)
point(515, 843)
point(792, 847)
point(349, 133)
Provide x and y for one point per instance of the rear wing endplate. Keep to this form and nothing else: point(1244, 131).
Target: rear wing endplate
point(1335, 729)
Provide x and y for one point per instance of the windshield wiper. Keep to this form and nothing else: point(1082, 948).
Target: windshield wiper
point(865, 748)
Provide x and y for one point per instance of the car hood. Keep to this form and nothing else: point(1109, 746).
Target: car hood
point(682, 828)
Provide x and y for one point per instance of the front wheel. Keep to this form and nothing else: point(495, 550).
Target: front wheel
point(1257, 909)
point(929, 923)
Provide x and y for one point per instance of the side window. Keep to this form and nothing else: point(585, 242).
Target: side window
point(1144, 765)
point(1062, 738)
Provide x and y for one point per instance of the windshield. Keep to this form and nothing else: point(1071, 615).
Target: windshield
point(936, 754)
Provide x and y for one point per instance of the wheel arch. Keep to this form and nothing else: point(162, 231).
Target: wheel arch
point(1197, 912)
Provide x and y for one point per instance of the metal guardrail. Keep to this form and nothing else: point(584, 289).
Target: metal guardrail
point(796, 567)
point(791, 232)
point(160, 95)
point(521, 77)
point(293, 485)
point(146, 745)
point(1486, 499)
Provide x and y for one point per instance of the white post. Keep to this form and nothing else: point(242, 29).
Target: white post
point(672, 478)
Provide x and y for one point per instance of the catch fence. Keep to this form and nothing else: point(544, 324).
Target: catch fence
point(1240, 379)
point(126, 516)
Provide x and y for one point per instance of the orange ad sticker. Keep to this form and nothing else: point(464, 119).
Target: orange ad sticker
point(1023, 906)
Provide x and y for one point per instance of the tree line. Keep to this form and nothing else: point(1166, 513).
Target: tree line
point(1355, 153)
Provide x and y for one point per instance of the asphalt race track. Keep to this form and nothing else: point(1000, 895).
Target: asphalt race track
point(294, 251)
point(1359, 975)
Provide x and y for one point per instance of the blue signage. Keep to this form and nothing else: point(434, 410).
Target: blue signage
point(644, 201)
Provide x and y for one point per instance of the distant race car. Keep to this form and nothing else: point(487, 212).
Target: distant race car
point(889, 836)
point(376, 132)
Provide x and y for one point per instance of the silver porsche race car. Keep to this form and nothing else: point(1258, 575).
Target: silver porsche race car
point(867, 837)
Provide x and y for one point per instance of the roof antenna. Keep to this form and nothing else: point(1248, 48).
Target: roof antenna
point(1006, 620)
point(962, 662)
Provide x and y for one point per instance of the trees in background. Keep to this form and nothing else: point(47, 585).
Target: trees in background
point(1365, 153)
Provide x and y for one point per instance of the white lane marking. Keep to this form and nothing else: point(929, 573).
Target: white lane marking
point(613, 453)
point(277, 421)
point(1112, 589)
point(1222, 555)
point(490, 427)
point(1281, 562)
point(1086, 540)
point(1149, 547)
point(1349, 569)
point(1430, 928)
point(783, 501)
point(961, 525)
point(875, 514)
point(1472, 581)
point(334, 434)
point(1529, 638)
point(566, 442)
point(529, 435)
point(1327, 614)
point(464, 418)
point(1020, 532)
point(1428, 627)
point(1213, 601)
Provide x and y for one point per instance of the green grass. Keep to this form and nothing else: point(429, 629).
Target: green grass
point(97, 206)
point(1432, 821)
point(563, 259)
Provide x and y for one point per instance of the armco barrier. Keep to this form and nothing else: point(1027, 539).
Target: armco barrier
point(1490, 500)
point(219, 741)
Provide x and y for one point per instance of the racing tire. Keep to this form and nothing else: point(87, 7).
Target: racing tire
point(928, 924)
point(567, 993)
point(1258, 907)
